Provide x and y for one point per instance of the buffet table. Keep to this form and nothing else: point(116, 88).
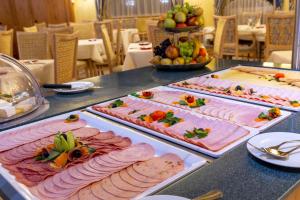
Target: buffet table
point(237, 174)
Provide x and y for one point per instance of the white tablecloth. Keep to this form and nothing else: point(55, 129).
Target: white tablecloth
point(42, 70)
point(93, 49)
point(137, 57)
point(127, 36)
point(246, 32)
point(281, 57)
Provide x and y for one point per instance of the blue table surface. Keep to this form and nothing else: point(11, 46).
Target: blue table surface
point(237, 173)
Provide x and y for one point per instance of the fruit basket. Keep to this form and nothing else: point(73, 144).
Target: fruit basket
point(184, 67)
point(181, 52)
point(182, 18)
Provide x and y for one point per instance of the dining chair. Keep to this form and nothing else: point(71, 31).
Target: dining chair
point(41, 26)
point(230, 41)
point(3, 27)
point(85, 30)
point(112, 57)
point(280, 32)
point(31, 29)
point(129, 22)
point(51, 32)
point(65, 54)
point(33, 45)
point(155, 34)
point(109, 25)
point(6, 41)
point(219, 37)
point(61, 25)
point(141, 25)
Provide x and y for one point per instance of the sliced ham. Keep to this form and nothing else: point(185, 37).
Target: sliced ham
point(72, 179)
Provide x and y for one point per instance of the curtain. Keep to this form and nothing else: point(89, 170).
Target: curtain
point(124, 8)
point(238, 7)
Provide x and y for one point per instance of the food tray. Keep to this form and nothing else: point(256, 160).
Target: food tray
point(221, 72)
point(183, 67)
point(191, 161)
point(284, 114)
point(215, 154)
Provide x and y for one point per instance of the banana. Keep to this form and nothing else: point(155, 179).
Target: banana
point(197, 46)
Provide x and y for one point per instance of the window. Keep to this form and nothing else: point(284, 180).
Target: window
point(130, 3)
point(122, 8)
point(164, 1)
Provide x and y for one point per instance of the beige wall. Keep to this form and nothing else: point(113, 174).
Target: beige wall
point(84, 10)
point(208, 7)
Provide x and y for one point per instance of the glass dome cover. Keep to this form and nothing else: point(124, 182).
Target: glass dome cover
point(21, 98)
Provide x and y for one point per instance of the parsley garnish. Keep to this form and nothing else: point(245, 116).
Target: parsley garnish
point(197, 132)
point(142, 117)
point(116, 104)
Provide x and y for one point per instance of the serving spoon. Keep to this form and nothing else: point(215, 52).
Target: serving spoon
point(275, 152)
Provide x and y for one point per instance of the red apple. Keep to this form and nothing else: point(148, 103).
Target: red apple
point(181, 25)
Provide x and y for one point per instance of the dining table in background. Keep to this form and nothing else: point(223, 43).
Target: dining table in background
point(281, 57)
point(127, 36)
point(137, 56)
point(42, 70)
point(91, 49)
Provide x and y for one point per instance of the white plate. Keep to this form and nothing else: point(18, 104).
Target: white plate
point(77, 87)
point(191, 161)
point(233, 97)
point(274, 138)
point(215, 154)
point(284, 114)
point(163, 197)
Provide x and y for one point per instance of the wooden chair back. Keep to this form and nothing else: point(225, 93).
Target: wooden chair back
point(31, 29)
point(109, 26)
point(33, 45)
point(85, 30)
point(51, 32)
point(111, 56)
point(119, 44)
point(61, 25)
point(219, 37)
point(40, 26)
point(155, 34)
point(6, 41)
point(230, 40)
point(280, 32)
point(65, 56)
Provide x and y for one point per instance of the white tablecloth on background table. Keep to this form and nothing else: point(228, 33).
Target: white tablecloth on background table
point(93, 49)
point(246, 32)
point(42, 70)
point(281, 57)
point(127, 36)
point(137, 57)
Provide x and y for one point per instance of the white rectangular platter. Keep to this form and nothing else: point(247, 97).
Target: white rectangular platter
point(191, 161)
point(222, 72)
point(284, 114)
point(214, 154)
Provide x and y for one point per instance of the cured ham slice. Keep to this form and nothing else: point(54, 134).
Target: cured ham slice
point(30, 172)
point(32, 133)
point(241, 114)
point(222, 133)
point(67, 183)
point(26, 151)
point(277, 96)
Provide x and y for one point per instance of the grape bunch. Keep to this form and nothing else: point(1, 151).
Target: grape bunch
point(161, 50)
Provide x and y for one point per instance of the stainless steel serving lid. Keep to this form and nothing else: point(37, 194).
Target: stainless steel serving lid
point(21, 97)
